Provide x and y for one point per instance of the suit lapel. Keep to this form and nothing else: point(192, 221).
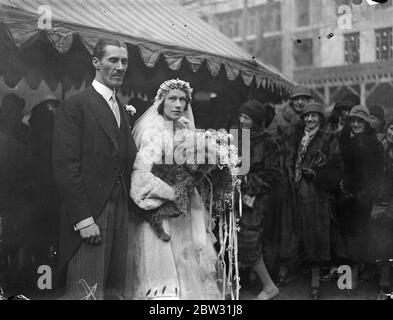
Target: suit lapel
point(130, 143)
point(102, 112)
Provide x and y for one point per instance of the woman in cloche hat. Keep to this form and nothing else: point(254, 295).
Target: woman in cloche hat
point(310, 150)
point(363, 165)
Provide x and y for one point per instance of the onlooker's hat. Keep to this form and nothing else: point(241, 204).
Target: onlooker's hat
point(255, 110)
point(361, 112)
point(347, 102)
point(301, 91)
point(378, 112)
point(313, 107)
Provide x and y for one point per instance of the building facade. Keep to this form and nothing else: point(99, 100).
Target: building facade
point(332, 46)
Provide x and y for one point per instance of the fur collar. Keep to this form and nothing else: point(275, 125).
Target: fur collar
point(289, 113)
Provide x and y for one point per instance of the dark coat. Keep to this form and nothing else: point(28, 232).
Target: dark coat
point(381, 227)
point(307, 204)
point(363, 166)
point(283, 120)
point(86, 162)
point(260, 182)
point(363, 163)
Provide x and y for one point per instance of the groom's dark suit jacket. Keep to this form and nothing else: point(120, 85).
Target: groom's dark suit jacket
point(86, 162)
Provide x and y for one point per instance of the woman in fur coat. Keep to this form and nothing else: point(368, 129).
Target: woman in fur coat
point(312, 162)
point(363, 165)
point(257, 190)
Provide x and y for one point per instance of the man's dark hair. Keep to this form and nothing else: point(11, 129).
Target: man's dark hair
point(99, 49)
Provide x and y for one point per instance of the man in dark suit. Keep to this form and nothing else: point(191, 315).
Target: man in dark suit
point(93, 155)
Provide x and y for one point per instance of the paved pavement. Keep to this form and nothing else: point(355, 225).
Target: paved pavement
point(298, 289)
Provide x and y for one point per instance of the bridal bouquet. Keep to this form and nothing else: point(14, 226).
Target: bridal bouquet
point(193, 156)
point(221, 192)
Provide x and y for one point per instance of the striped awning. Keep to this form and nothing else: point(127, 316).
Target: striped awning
point(157, 27)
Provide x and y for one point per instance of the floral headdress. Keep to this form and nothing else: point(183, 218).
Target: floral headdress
point(173, 84)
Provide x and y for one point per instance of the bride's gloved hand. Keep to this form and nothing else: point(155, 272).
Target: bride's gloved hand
point(184, 123)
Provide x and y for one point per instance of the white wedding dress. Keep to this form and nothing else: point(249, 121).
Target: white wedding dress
point(185, 267)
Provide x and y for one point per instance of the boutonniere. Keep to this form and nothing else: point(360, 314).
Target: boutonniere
point(130, 109)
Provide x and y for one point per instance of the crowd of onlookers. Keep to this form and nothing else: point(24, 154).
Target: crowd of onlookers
point(29, 204)
point(331, 201)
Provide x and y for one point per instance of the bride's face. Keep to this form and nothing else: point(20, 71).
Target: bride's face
point(174, 104)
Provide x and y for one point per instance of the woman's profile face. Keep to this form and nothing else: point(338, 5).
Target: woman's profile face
point(245, 121)
point(389, 134)
point(358, 125)
point(174, 104)
point(312, 120)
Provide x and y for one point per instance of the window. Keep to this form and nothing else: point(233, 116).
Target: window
point(264, 18)
point(270, 51)
point(270, 17)
point(352, 48)
point(303, 13)
point(303, 52)
point(229, 24)
point(384, 45)
point(253, 19)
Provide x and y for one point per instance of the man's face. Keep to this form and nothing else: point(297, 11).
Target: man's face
point(343, 116)
point(300, 102)
point(112, 67)
point(174, 104)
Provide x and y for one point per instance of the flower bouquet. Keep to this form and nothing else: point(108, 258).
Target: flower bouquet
point(183, 171)
point(220, 191)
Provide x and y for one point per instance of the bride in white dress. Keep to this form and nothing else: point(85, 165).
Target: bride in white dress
point(185, 267)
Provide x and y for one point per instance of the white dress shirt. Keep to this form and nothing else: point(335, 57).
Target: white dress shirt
point(107, 94)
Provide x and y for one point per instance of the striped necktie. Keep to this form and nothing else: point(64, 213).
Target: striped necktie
point(115, 108)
